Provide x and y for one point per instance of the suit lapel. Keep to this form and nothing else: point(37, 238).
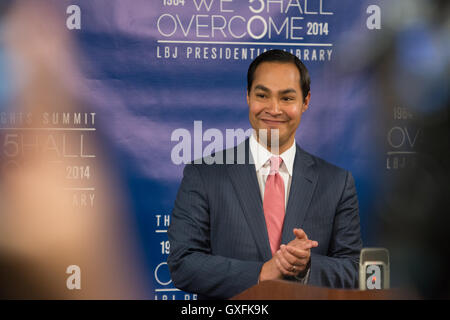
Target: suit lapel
point(304, 180)
point(245, 183)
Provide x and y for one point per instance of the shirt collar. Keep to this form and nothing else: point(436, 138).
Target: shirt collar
point(261, 155)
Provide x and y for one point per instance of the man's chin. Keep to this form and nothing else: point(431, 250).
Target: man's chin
point(276, 142)
point(273, 131)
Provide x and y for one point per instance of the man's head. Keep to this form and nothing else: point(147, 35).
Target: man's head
point(277, 94)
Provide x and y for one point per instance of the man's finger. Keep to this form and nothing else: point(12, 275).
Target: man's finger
point(286, 265)
point(298, 253)
point(300, 234)
point(282, 270)
point(290, 258)
point(313, 243)
point(281, 266)
point(303, 244)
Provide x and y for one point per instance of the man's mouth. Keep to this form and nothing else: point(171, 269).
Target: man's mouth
point(273, 122)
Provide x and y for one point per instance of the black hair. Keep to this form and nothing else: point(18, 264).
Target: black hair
point(277, 55)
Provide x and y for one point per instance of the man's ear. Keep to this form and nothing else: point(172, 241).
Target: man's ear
point(306, 102)
point(248, 102)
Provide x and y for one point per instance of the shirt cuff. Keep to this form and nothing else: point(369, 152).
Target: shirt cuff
point(303, 279)
point(304, 276)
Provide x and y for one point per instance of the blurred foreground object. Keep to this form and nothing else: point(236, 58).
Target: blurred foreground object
point(63, 210)
point(409, 60)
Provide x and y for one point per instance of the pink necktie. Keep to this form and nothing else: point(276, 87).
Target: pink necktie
point(273, 203)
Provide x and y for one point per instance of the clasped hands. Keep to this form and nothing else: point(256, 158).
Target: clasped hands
point(290, 260)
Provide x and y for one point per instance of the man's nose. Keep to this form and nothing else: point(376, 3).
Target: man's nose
point(273, 107)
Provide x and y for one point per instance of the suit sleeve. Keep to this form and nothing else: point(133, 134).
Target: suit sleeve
point(192, 265)
point(339, 268)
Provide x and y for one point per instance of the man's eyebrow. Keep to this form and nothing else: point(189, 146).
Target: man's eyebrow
point(285, 91)
point(290, 90)
point(261, 87)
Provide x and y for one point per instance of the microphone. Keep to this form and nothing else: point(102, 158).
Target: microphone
point(374, 269)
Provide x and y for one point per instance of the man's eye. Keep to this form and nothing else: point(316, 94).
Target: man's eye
point(260, 95)
point(288, 98)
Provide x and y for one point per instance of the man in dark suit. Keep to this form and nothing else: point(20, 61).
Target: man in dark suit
point(236, 224)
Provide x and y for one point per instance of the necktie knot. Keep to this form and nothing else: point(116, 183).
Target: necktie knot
point(275, 163)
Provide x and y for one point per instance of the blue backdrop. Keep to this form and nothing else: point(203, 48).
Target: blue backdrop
point(151, 67)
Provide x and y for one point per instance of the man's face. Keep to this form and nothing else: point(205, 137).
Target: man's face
point(276, 101)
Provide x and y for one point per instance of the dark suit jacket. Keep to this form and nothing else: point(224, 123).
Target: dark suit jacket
point(218, 235)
